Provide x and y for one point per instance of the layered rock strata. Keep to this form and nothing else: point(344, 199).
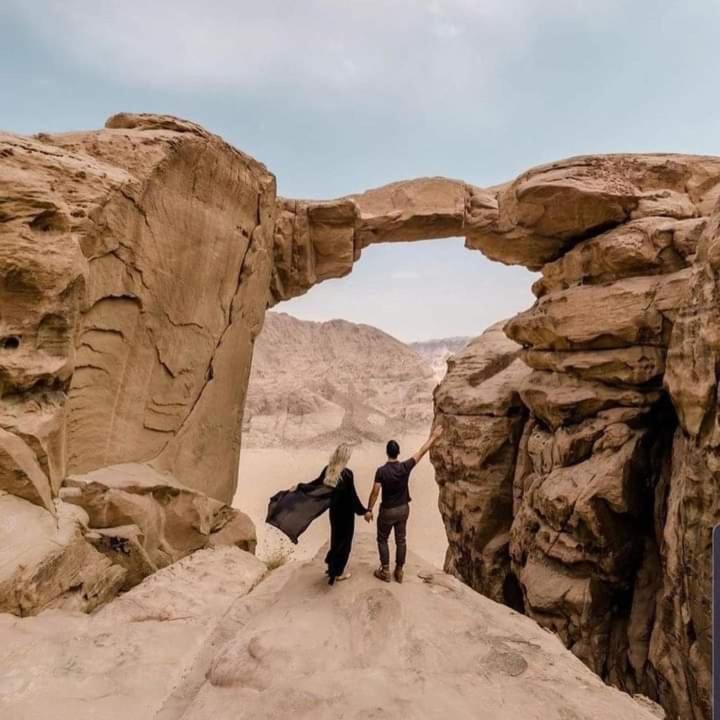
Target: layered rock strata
point(134, 267)
point(612, 504)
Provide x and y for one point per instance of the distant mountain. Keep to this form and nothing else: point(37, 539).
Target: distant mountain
point(436, 352)
point(322, 382)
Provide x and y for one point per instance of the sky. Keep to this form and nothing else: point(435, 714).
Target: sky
point(339, 96)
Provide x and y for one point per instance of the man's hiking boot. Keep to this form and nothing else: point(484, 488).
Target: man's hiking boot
point(399, 574)
point(383, 573)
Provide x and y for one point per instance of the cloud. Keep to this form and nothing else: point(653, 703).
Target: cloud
point(369, 49)
point(405, 275)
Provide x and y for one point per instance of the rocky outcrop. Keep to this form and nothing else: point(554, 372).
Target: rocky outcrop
point(143, 520)
point(112, 349)
point(612, 507)
point(483, 418)
point(135, 656)
point(209, 637)
point(46, 561)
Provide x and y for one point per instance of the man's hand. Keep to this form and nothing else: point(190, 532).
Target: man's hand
point(434, 437)
point(368, 516)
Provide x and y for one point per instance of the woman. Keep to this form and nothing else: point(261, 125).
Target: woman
point(292, 511)
point(344, 505)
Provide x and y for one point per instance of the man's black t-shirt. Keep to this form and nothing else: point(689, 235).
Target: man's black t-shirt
point(393, 479)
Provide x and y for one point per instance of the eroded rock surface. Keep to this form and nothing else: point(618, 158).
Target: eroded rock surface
point(46, 561)
point(134, 271)
point(134, 656)
point(109, 241)
point(609, 533)
point(202, 639)
point(141, 518)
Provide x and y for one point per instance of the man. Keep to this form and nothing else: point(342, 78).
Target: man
point(392, 478)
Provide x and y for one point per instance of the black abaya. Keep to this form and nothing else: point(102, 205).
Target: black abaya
point(344, 505)
point(292, 511)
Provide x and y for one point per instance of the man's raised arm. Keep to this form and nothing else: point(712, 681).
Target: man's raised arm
point(434, 437)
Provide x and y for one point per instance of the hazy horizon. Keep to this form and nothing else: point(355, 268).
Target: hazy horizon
point(336, 98)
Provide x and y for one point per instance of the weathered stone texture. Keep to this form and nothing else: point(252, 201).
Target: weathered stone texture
point(609, 534)
point(134, 271)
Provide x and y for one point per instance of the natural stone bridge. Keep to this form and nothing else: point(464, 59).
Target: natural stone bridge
point(136, 265)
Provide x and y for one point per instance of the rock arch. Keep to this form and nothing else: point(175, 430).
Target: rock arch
point(152, 249)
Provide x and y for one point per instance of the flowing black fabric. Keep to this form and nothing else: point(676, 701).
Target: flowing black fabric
point(292, 511)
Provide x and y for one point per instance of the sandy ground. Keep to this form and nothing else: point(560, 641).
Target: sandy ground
point(265, 471)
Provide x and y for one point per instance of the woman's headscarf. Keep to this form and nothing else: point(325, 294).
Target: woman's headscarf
point(337, 463)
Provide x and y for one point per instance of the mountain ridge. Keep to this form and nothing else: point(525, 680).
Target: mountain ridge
point(320, 382)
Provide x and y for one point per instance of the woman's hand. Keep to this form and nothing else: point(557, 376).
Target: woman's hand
point(368, 516)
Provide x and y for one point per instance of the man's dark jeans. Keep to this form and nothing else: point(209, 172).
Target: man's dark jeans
point(390, 518)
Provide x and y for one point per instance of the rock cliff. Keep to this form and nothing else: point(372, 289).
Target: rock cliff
point(568, 488)
point(134, 264)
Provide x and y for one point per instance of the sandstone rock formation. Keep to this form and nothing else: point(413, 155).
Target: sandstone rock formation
point(133, 657)
point(593, 514)
point(483, 418)
point(136, 264)
point(45, 560)
point(203, 639)
point(327, 382)
point(143, 520)
point(111, 349)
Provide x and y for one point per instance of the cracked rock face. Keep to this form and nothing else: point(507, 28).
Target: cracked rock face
point(134, 268)
point(595, 509)
point(111, 240)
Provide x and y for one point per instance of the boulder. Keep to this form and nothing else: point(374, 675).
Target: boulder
point(171, 519)
point(46, 562)
point(238, 530)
